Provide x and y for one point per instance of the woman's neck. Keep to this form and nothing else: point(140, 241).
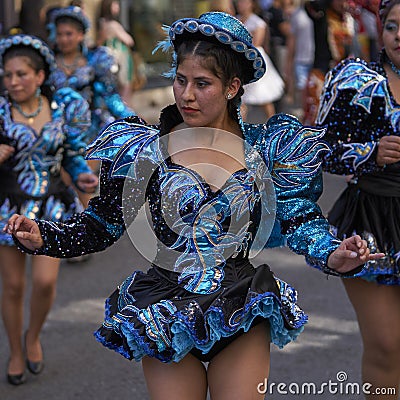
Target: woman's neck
point(29, 106)
point(71, 56)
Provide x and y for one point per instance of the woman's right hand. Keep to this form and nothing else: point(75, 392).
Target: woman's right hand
point(26, 231)
point(388, 150)
point(6, 152)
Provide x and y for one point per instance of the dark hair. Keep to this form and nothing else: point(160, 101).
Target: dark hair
point(105, 9)
point(64, 19)
point(221, 61)
point(387, 7)
point(36, 61)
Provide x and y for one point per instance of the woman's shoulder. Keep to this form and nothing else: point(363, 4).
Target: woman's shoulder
point(99, 55)
point(353, 71)
point(65, 96)
point(3, 105)
point(290, 147)
point(124, 142)
point(280, 124)
point(353, 84)
point(289, 135)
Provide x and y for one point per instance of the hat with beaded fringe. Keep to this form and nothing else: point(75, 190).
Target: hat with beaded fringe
point(37, 44)
point(73, 12)
point(220, 28)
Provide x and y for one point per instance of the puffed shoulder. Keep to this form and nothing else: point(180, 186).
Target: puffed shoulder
point(102, 59)
point(3, 101)
point(356, 77)
point(123, 143)
point(292, 151)
point(73, 106)
point(66, 95)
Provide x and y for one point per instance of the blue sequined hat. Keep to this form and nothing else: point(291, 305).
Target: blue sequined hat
point(221, 28)
point(31, 41)
point(73, 12)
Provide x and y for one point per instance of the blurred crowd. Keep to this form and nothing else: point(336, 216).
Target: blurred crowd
point(301, 40)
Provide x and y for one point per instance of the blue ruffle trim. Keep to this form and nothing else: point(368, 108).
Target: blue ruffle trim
point(184, 339)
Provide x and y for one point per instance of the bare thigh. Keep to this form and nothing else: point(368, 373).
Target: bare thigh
point(45, 271)
point(178, 381)
point(237, 371)
point(378, 312)
point(12, 268)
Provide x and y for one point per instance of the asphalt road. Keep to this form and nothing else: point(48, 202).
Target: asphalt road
point(77, 367)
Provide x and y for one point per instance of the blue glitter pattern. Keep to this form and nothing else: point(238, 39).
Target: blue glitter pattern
point(97, 83)
point(227, 29)
point(31, 41)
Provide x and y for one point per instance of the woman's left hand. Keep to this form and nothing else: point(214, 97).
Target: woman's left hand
point(87, 182)
point(351, 253)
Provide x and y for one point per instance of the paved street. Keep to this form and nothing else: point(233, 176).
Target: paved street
point(77, 367)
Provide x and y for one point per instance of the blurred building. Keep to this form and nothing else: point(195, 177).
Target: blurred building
point(143, 18)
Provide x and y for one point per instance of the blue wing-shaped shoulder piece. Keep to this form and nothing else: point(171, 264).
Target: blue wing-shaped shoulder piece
point(366, 83)
point(295, 151)
point(123, 143)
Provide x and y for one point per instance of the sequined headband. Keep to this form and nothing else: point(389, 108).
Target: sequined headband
point(31, 41)
point(73, 12)
point(222, 28)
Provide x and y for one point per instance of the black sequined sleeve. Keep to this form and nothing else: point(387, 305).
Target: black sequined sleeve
point(95, 229)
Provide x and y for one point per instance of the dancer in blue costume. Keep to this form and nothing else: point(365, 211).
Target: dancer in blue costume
point(361, 110)
point(213, 184)
point(41, 131)
point(91, 72)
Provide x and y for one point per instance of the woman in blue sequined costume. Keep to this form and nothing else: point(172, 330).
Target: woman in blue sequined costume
point(213, 185)
point(41, 132)
point(91, 72)
point(361, 110)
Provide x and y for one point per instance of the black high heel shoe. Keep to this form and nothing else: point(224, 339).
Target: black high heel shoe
point(35, 367)
point(16, 379)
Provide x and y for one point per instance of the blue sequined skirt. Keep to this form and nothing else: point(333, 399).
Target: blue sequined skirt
point(150, 314)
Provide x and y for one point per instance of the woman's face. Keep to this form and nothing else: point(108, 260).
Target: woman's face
point(68, 38)
point(114, 8)
point(199, 94)
point(391, 35)
point(21, 80)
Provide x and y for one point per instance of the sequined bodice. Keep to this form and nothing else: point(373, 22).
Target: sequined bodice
point(81, 80)
point(39, 155)
point(199, 230)
point(357, 108)
point(208, 227)
point(97, 83)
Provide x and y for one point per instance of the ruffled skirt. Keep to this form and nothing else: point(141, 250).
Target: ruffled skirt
point(60, 203)
point(150, 314)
